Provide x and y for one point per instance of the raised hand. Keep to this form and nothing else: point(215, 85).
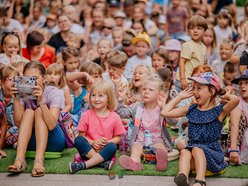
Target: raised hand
point(184, 84)
point(88, 78)
point(161, 100)
point(186, 93)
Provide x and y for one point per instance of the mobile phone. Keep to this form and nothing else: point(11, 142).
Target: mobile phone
point(24, 87)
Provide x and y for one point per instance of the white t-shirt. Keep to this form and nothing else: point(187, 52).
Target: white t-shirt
point(14, 24)
point(5, 60)
point(133, 62)
point(222, 34)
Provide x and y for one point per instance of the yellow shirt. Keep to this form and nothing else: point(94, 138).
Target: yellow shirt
point(195, 53)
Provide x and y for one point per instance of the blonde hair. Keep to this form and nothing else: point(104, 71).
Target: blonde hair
point(91, 68)
point(104, 87)
point(6, 71)
point(105, 39)
point(116, 59)
point(57, 69)
point(155, 78)
point(69, 52)
point(132, 89)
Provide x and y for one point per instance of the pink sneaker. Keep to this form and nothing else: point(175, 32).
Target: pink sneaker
point(162, 159)
point(77, 158)
point(127, 163)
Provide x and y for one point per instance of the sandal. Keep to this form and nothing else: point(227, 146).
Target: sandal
point(15, 168)
point(202, 183)
point(181, 180)
point(38, 172)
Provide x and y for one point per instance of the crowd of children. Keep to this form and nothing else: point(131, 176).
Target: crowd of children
point(124, 71)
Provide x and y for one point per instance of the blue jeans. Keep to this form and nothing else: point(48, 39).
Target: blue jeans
point(83, 147)
point(55, 143)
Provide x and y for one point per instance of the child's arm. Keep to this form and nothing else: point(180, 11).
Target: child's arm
point(170, 110)
point(183, 81)
point(115, 139)
point(18, 108)
point(235, 116)
point(72, 78)
point(68, 102)
point(231, 102)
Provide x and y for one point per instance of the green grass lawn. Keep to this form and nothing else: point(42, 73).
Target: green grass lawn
point(60, 166)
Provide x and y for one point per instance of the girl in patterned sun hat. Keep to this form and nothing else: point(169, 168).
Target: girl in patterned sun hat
point(204, 126)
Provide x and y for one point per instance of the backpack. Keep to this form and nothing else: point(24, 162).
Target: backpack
point(66, 124)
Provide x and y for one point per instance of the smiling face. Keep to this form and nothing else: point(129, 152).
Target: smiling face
point(196, 33)
point(103, 48)
point(202, 93)
point(99, 100)
point(64, 23)
point(208, 38)
point(157, 61)
point(225, 51)
point(10, 45)
point(243, 88)
point(142, 48)
point(139, 75)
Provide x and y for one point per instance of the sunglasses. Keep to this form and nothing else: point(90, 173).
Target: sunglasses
point(108, 27)
point(9, 33)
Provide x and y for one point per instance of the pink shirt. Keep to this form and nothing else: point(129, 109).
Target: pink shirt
point(96, 127)
point(150, 121)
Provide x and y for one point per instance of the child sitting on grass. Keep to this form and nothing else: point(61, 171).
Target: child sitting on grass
point(8, 129)
point(99, 129)
point(205, 118)
point(147, 120)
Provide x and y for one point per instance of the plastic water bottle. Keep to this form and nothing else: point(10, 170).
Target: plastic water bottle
point(147, 138)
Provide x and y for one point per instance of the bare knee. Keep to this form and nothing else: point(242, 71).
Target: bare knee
point(137, 148)
point(197, 151)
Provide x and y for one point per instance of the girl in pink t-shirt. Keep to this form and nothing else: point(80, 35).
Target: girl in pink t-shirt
point(99, 129)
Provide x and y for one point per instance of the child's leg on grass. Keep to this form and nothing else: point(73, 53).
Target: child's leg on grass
point(161, 156)
point(83, 147)
point(199, 162)
point(105, 154)
point(3, 129)
point(41, 135)
point(25, 132)
point(160, 146)
point(184, 162)
point(136, 152)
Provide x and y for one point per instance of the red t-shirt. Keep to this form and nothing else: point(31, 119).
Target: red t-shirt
point(47, 58)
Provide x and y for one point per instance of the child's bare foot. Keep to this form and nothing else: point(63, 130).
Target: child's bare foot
point(127, 163)
point(199, 183)
point(162, 159)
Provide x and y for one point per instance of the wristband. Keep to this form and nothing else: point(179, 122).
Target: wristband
point(229, 151)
